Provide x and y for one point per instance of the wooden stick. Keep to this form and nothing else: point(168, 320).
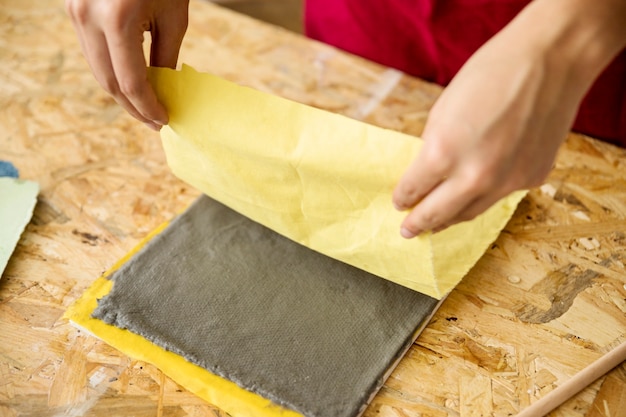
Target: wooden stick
point(577, 383)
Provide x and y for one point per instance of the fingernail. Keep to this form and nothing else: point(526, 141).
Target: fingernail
point(161, 122)
point(153, 126)
point(407, 234)
point(397, 206)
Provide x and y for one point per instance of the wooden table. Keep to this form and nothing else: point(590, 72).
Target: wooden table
point(547, 298)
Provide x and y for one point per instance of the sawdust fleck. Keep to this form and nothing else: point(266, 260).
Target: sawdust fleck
point(514, 279)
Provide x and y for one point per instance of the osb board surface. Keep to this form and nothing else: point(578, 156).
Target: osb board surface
point(547, 299)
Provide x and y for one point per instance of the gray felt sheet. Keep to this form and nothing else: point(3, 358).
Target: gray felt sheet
point(306, 331)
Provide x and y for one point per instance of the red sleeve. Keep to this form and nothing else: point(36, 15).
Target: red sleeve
point(432, 39)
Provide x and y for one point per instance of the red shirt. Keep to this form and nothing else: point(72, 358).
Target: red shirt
point(432, 39)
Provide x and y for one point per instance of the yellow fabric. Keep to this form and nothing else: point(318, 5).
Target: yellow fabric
point(212, 388)
point(318, 178)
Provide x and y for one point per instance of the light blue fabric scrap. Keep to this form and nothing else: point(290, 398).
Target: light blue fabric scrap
point(7, 169)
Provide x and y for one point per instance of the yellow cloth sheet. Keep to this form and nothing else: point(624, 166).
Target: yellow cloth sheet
point(318, 178)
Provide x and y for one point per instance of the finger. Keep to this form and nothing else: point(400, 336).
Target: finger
point(167, 37)
point(439, 208)
point(425, 173)
point(469, 213)
point(473, 210)
point(97, 54)
point(103, 71)
point(478, 207)
point(130, 71)
point(78, 13)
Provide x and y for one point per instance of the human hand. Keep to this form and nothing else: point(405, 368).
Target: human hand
point(495, 129)
point(111, 37)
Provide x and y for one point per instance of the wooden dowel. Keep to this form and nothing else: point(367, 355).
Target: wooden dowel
point(577, 383)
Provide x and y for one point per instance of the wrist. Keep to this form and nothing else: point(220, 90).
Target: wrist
point(575, 38)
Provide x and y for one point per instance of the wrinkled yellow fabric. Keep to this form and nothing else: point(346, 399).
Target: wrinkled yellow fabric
point(318, 178)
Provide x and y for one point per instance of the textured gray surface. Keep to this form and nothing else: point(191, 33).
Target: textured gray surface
point(306, 331)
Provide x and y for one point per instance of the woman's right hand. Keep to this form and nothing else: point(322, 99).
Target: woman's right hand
point(111, 37)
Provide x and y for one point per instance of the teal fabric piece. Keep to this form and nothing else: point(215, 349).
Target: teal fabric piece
point(306, 331)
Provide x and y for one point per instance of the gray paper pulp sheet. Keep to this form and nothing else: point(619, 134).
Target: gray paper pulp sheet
point(304, 330)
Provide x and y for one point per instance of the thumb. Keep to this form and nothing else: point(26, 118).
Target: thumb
point(167, 36)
